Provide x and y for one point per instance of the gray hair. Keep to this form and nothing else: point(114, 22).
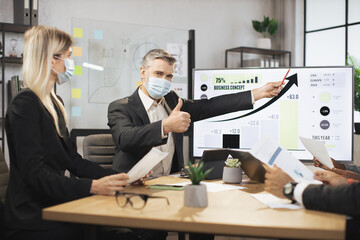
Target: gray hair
point(157, 54)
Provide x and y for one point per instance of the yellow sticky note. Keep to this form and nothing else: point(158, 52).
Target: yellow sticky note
point(77, 51)
point(138, 83)
point(78, 33)
point(76, 93)
point(78, 70)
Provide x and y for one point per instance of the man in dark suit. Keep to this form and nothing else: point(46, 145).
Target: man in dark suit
point(154, 116)
point(338, 195)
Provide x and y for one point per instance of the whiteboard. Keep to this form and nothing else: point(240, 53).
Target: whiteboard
point(117, 48)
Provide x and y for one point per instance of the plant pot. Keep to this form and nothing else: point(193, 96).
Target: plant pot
point(232, 175)
point(264, 43)
point(195, 196)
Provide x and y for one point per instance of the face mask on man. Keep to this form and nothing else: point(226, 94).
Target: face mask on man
point(158, 87)
point(69, 71)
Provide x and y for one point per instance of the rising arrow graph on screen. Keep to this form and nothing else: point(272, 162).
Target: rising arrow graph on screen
point(292, 80)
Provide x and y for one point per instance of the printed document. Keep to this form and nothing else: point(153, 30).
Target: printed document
point(270, 152)
point(274, 202)
point(145, 165)
point(318, 150)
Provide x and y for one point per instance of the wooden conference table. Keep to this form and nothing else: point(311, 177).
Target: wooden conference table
point(232, 212)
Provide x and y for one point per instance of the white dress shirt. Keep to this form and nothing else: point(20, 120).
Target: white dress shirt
point(298, 191)
point(156, 111)
point(300, 188)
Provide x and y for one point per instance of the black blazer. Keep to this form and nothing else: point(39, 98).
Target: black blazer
point(343, 199)
point(38, 159)
point(134, 135)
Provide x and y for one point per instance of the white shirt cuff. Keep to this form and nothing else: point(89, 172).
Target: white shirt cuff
point(162, 131)
point(252, 98)
point(298, 192)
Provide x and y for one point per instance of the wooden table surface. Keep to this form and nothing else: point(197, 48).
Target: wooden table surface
point(232, 212)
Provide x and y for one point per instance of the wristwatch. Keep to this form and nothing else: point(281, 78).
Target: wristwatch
point(288, 190)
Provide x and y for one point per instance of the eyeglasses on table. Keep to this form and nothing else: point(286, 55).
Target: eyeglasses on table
point(136, 200)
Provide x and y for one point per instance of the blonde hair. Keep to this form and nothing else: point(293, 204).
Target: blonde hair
point(41, 45)
point(157, 54)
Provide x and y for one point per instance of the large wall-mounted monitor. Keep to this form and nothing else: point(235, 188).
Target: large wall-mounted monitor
point(316, 103)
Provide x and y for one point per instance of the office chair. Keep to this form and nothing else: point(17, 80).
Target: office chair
point(4, 180)
point(99, 148)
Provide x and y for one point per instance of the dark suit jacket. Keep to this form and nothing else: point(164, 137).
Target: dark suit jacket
point(38, 159)
point(344, 199)
point(134, 135)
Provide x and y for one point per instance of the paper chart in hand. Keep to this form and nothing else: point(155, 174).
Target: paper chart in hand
point(270, 152)
point(147, 163)
point(318, 150)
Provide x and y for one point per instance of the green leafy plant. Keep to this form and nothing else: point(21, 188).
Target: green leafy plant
point(196, 173)
point(355, 63)
point(267, 27)
point(232, 163)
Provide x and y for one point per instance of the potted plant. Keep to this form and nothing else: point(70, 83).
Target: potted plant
point(232, 171)
point(355, 63)
point(195, 194)
point(267, 28)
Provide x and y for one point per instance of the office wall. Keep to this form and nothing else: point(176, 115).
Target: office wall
point(218, 24)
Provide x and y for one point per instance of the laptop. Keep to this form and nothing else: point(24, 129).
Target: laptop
point(215, 159)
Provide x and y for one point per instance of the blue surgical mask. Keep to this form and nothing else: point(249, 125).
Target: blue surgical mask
point(158, 87)
point(69, 71)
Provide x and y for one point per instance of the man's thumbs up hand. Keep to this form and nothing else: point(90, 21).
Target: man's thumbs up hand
point(177, 121)
point(179, 105)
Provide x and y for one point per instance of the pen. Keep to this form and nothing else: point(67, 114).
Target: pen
point(166, 185)
point(285, 77)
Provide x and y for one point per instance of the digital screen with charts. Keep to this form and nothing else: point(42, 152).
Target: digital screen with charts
point(316, 103)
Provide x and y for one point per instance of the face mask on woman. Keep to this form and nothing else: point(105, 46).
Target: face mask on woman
point(158, 87)
point(69, 71)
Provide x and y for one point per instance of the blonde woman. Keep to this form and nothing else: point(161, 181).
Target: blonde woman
point(40, 148)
